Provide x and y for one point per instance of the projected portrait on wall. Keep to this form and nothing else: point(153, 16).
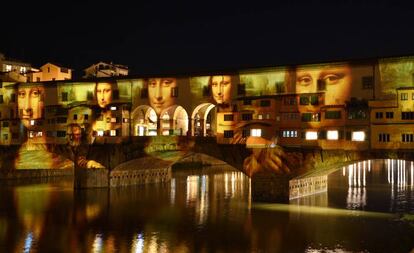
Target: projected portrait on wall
point(221, 87)
point(334, 80)
point(30, 104)
point(105, 93)
point(34, 153)
point(162, 93)
point(78, 144)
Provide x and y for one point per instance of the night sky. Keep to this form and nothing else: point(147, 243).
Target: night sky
point(189, 37)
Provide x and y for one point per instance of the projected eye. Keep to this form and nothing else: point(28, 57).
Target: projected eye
point(332, 78)
point(153, 84)
point(167, 82)
point(35, 93)
point(21, 94)
point(304, 80)
point(225, 83)
point(214, 84)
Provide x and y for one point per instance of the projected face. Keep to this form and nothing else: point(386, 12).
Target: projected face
point(75, 135)
point(335, 81)
point(160, 93)
point(30, 103)
point(104, 94)
point(221, 89)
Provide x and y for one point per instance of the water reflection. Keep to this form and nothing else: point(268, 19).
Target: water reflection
point(204, 211)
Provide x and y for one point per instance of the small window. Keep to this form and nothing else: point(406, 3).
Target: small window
point(332, 114)
point(89, 95)
point(228, 134)
point(206, 91)
point(1, 99)
point(61, 133)
point(174, 92)
point(367, 82)
point(245, 133)
point(265, 103)
point(256, 132)
point(113, 132)
point(321, 85)
point(389, 115)
point(404, 96)
point(247, 102)
point(75, 116)
point(13, 98)
point(86, 116)
point(228, 117)
point(241, 89)
point(144, 93)
point(378, 115)
point(247, 116)
point(64, 96)
point(304, 100)
point(115, 94)
point(5, 124)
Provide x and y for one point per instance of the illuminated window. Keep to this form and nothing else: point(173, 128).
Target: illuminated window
point(256, 132)
point(332, 135)
point(23, 70)
point(358, 136)
point(32, 122)
point(8, 68)
point(113, 132)
point(260, 116)
point(113, 120)
point(100, 133)
point(289, 133)
point(113, 108)
point(311, 135)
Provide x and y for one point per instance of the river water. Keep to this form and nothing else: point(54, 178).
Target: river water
point(367, 208)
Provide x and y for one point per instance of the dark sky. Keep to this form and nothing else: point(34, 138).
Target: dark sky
point(188, 36)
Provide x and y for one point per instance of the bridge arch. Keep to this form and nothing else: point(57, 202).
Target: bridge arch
point(202, 120)
point(174, 121)
point(144, 121)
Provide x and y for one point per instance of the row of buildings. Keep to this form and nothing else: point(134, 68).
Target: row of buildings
point(12, 70)
point(357, 105)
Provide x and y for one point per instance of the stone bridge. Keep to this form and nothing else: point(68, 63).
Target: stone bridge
point(150, 159)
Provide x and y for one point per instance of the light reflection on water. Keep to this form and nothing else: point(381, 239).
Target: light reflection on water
point(212, 212)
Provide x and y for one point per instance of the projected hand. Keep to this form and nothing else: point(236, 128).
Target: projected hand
point(94, 165)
